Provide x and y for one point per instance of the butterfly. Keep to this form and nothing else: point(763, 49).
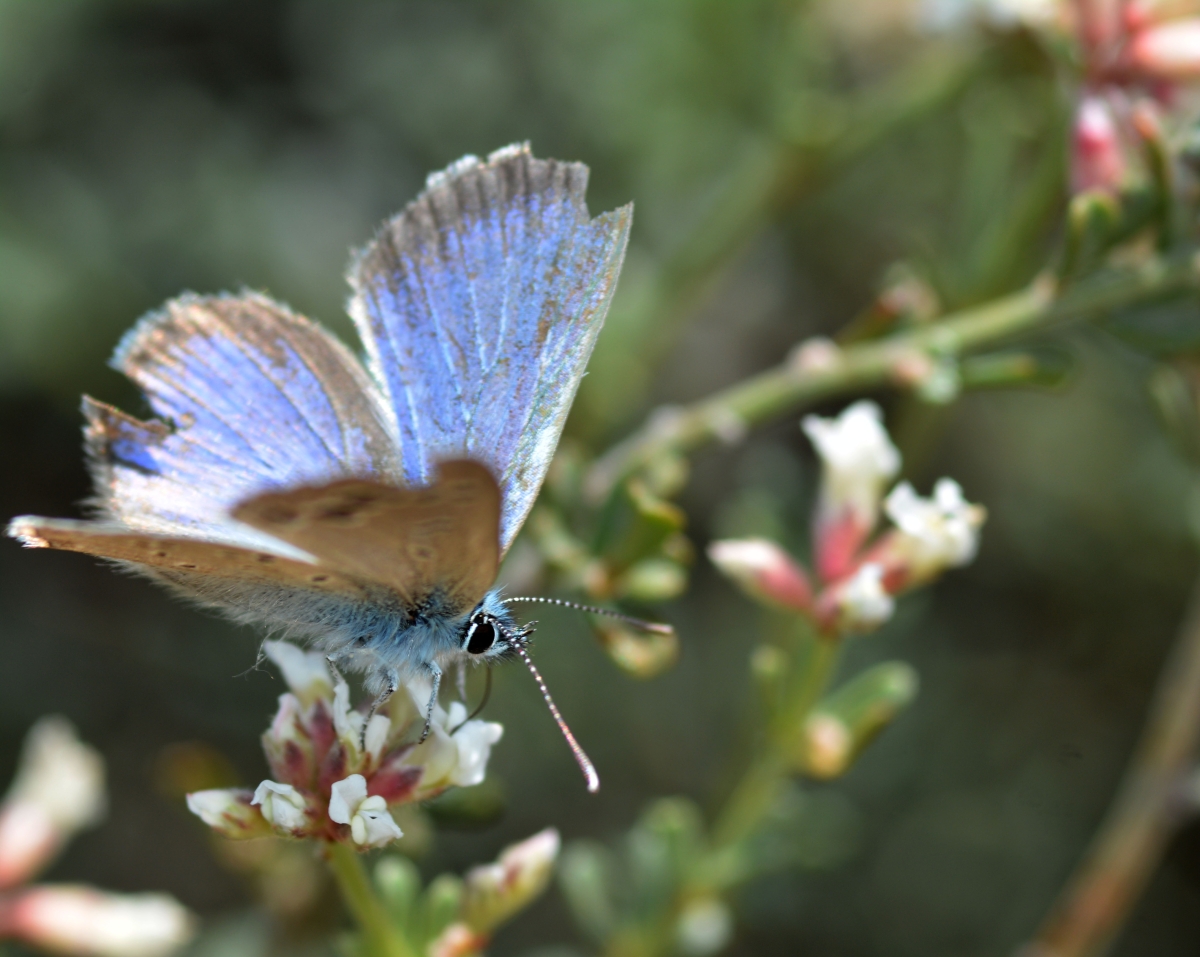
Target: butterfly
point(365, 507)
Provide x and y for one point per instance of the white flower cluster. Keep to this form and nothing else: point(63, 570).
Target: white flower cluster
point(380, 760)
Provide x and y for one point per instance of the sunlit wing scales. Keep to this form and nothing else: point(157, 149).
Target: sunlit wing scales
point(366, 509)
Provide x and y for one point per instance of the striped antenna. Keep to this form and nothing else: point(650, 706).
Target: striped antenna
point(658, 629)
point(584, 762)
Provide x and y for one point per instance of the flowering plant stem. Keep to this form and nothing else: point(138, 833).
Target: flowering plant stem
point(380, 937)
point(1148, 808)
point(874, 363)
point(754, 795)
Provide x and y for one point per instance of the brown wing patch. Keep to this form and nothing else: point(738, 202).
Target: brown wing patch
point(414, 540)
point(187, 555)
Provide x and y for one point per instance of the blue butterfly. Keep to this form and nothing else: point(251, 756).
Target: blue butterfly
point(365, 509)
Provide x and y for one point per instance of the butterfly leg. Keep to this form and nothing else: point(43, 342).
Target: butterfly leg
point(435, 673)
point(391, 681)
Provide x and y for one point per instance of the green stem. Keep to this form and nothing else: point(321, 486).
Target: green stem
point(867, 365)
point(758, 789)
point(381, 938)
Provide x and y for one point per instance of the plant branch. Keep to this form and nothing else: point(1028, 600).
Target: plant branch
point(380, 937)
point(792, 385)
point(1148, 808)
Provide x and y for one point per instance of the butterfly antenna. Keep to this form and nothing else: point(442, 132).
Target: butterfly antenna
point(656, 627)
point(581, 758)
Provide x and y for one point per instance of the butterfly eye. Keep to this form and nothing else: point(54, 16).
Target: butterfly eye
point(481, 637)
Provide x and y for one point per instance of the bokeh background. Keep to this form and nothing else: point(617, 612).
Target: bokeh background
point(148, 147)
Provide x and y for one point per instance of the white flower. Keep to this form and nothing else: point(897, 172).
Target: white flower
point(282, 805)
point(474, 741)
point(863, 604)
point(58, 790)
point(89, 923)
point(370, 823)
point(306, 672)
point(858, 459)
point(451, 759)
point(935, 533)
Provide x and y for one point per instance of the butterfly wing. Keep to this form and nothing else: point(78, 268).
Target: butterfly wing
point(479, 306)
point(181, 558)
point(436, 543)
point(251, 396)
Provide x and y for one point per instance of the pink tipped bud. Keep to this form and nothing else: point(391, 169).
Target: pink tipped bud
point(457, 940)
point(59, 789)
point(1170, 51)
point(492, 893)
point(1097, 157)
point(764, 571)
point(229, 811)
point(84, 922)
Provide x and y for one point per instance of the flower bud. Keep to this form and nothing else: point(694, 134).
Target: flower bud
point(288, 744)
point(229, 811)
point(1097, 154)
point(457, 940)
point(764, 571)
point(59, 789)
point(704, 927)
point(858, 459)
point(643, 654)
point(83, 922)
point(1170, 51)
point(495, 892)
point(370, 823)
point(844, 723)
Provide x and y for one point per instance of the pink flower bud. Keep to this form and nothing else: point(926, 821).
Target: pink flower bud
point(229, 811)
point(1097, 156)
point(59, 789)
point(492, 893)
point(1170, 50)
point(764, 571)
point(457, 940)
point(84, 922)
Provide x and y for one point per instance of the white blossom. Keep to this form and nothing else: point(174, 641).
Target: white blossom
point(458, 759)
point(863, 604)
point(858, 459)
point(89, 923)
point(935, 533)
point(370, 823)
point(282, 805)
point(305, 672)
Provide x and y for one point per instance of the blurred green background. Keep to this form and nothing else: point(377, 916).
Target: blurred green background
point(148, 147)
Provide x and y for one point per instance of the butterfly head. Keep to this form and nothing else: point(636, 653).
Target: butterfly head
point(491, 634)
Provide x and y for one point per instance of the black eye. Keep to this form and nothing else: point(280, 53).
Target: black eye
point(481, 637)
